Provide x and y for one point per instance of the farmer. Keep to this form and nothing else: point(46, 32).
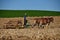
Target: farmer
point(25, 21)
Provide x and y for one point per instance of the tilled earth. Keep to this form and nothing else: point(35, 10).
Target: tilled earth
point(30, 34)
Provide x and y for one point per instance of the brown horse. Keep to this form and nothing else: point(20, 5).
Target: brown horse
point(43, 21)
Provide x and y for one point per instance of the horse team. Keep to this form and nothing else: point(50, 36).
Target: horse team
point(41, 22)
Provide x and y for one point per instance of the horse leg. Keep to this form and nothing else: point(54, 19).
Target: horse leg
point(35, 24)
point(49, 23)
point(43, 26)
point(38, 24)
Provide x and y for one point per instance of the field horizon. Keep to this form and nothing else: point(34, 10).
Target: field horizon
point(31, 13)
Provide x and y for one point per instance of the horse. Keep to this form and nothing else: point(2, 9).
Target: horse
point(43, 21)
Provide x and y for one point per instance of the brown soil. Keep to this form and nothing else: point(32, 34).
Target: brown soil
point(30, 34)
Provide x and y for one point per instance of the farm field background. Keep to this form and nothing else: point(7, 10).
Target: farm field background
point(20, 13)
point(51, 32)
